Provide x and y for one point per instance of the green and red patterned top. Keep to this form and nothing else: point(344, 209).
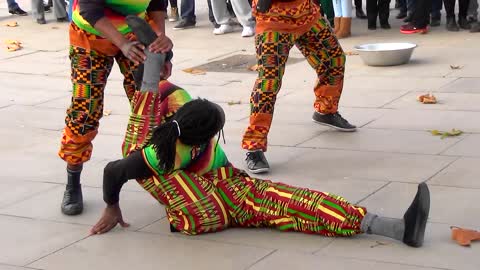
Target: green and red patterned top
point(87, 12)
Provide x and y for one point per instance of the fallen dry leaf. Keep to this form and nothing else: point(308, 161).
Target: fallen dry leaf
point(13, 45)
point(427, 99)
point(234, 102)
point(107, 112)
point(378, 243)
point(455, 67)
point(55, 27)
point(351, 53)
point(253, 68)
point(11, 24)
point(444, 134)
point(195, 71)
point(12, 42)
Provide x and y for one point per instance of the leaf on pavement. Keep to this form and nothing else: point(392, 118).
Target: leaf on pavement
point(444, 134)
point(427, 99)
point(11, 24)
point(351, 53)
point(107, 112)
point(455, 66)
point(195, 71)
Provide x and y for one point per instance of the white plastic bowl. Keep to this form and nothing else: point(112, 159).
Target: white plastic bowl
point(385, 54)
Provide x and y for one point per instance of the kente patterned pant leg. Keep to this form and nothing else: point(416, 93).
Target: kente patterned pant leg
point(262, 203)
point(272, 54)
point(126, 68)
point(89, 73)
point(325, 55)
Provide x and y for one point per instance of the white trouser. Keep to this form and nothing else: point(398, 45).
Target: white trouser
point(342, 8)
point(242, 10)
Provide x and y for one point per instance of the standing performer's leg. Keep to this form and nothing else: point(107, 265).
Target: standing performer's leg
point(325, 55)
point(272, 54)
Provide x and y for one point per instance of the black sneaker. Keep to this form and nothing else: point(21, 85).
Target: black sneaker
point(434, 22)
point(452, 25)
point(18, 11)
point(416, 217)
point(475, 27)
point(256, 162)
point(334, 120)
point(72, 203)
point(47, 9)
point(185, 24)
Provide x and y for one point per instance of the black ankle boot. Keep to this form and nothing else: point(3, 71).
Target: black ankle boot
point(72, 203)
point(360, 14)
point(464, 23)
point(416, 217)
point(452, 25)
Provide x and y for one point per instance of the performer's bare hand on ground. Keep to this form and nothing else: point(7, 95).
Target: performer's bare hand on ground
point(162, 44)
point(112, 215)
point(134, 51)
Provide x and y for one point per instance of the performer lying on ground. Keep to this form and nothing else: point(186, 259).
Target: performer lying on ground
point(181, 164)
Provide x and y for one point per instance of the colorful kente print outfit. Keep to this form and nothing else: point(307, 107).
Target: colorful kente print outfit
point(287, 24)
point(92, 58)
point(205, 193)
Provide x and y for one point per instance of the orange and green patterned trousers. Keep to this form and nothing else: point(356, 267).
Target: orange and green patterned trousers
point(322, 51)
point(91, 59)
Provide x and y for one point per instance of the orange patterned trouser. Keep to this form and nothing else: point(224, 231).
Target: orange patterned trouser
point(322, 51)
point(91, 62)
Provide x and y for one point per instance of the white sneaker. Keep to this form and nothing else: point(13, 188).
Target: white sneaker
point(248, 31)
point(223, 29)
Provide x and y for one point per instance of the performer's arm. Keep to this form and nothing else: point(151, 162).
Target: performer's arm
point(157, 10)
point(116, 174)
point(93, 12)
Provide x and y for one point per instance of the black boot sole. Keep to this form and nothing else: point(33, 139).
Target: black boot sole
point(416, 217)
point(71, 207)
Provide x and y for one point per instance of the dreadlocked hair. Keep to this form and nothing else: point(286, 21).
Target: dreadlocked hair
point(198, 121)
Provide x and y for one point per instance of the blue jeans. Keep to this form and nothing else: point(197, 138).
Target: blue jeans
point(187, 10)
point(12, 4)
point(436, 8)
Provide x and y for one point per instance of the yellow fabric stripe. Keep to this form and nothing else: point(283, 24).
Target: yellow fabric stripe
point(142, 105)
point(283, 194)
point(185, 187)
point(185, 221)
point(224, 212)
point(331, 213)
point(248, 202)
point(224, 173)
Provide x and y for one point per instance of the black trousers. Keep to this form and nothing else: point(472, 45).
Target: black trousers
point(421, 13)
point(450, 8)
point(380, 9)
point(358, 4)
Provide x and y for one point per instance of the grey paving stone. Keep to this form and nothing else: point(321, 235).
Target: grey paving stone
point(427, 120)
point(467, 85)
point(394, 199)
point(445, 101)
point(138, 208)
point(463, 173)
point(469, 146)
point(439, 251)
point(12, 191)
point(383, 140)
point(324, 163)
point(252, 237)
point(290, 260)
point(35, 239)
point(169, 253)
